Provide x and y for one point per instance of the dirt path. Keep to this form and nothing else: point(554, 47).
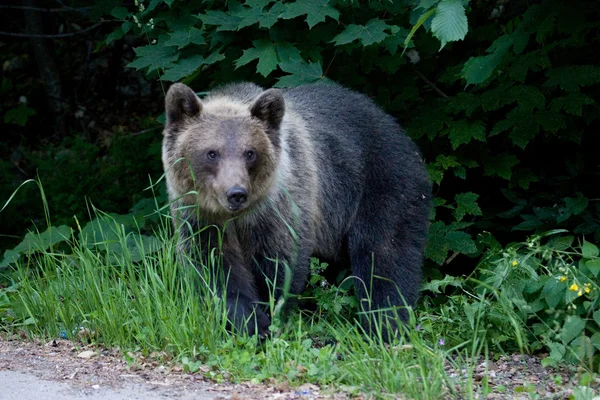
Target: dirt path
point(59, 370)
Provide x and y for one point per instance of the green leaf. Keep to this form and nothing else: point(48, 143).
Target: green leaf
point(450, 21)
point(437, 286)
point(572, 328)
point(570, 78)
point(10, 257)
point(183, 68)
point(593, 266)
point(255, 13)
point(154, 57)
point(553, 292)
point(573, 206)
point(561, 243)
point(301, 73)
point(531, 222)
point(287, 52)
point(501, 165)
point(463, 131)
point(315, 11)
point(223, 20)
point(478, 69)
point(119, 12)
point(466, 203)
point(264, 51)
point(414, 29)
point(33, 242)
point(461, 242)
point(437, 245)
point(595, 339)
point(182, 38)
point(596, 317)
point(19, 115)
point(372, 32)
point(572, 103)
point(589, 250)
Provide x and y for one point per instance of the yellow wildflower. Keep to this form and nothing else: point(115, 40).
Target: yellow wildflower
point(562, 278)
point(574, 287)
point(580, 293)
point(515, 263)
point(587, 287)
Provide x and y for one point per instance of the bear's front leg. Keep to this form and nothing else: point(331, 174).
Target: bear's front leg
point(240, 290)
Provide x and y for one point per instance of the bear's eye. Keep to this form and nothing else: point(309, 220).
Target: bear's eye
point(211, 155)
point(250, 155)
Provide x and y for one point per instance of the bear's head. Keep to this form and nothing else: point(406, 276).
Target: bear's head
point(222, 154)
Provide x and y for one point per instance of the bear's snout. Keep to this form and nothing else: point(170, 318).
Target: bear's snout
point(237, 196)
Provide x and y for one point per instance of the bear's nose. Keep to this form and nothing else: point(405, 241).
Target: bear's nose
point(237, 196)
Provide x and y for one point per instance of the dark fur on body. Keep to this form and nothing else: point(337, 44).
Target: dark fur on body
point(333, 177)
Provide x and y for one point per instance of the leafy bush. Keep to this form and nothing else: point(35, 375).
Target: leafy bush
point(538, 295)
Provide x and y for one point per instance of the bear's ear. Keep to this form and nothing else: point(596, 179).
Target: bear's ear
point(181, 102)
point(269, 108)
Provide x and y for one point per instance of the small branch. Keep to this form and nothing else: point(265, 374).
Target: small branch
point(144, 131)
point(431, 84)
point(330, 62)
point(55, 36)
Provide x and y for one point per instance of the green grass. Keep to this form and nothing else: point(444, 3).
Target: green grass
point(122, 286)
point(153, 305)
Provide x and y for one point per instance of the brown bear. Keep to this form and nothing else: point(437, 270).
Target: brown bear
point(316, 170)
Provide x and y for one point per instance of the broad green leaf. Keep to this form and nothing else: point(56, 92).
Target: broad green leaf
point(436, 285)
point(570, 78)
point(119, 12)
point(561, 243)
point(255, 13)
point(530, 222)
point(154, 57)
point(573, 206)
point(595, 339)
point(264, 52)
point(315, 11)
point(463, 131)
point(10, 257)
point(553, 292)
point(572, 328)
point(372, 32)
point(397, 39)
point(501, 165)
point(478, 69)
point(450, 21)
point(466, 203)
point(33, 242)
point(416, 26)
point(182, 38)
point(437, 245)
point(461, 242)
point(572, 103)
point(596, 317)
point(287, 52)
point(593, 266)
point(183, 68)
point(138, 246)
point(589, 250)
point(301, 73)
point(223, 20)
point(19, 115)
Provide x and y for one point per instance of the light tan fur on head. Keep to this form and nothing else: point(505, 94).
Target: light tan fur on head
point(242, 141)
